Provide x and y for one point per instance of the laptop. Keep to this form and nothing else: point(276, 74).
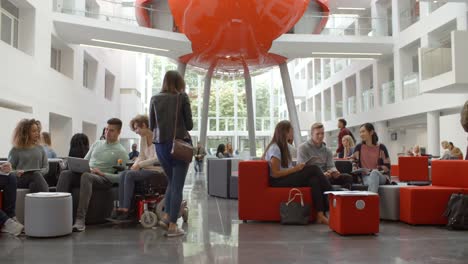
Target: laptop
point(78, 165)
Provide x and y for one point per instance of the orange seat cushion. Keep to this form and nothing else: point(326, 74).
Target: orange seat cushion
point(394, 171)
point(425, 205)
point(450, 173)
point(257, 199)
point(413, 169)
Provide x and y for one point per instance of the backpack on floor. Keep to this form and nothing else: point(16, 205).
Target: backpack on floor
point(457, 212)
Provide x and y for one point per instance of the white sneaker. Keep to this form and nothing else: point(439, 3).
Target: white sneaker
point(79, 225)
point(175, 233)
point(12, 227)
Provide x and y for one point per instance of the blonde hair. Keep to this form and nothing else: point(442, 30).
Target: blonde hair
point(21, 137)
point(350, 140)
point(444, 144)
point(46, 138)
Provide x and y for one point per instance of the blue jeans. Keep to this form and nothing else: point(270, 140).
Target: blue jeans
point(8, 185)
point(127, 185)
point(198, 166)
point(373, 180)
point(176, 171)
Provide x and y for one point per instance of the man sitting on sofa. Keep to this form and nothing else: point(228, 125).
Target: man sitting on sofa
point(102, 156)
point(315, 152)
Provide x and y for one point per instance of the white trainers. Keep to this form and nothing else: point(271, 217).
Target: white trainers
point(175, 233)
point(79, 225)
point(12, 227)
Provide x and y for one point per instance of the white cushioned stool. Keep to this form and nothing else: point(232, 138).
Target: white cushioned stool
point(48, 214)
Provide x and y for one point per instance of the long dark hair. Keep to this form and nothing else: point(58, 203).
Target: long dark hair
point(280, 138)
point(370, 128)
point(173, 82)
point(79, 146)
point(221, 149)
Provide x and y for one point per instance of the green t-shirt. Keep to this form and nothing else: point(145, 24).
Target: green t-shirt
point(103, 156)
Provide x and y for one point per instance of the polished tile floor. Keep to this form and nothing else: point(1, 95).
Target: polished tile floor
point(216, 236)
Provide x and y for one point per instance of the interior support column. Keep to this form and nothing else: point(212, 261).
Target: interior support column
point(205, 107)
point(288, 93)
point(181, 68)
point(433, 133)
point(250, 112)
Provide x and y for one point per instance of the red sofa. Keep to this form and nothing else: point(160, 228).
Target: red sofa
point(394, 170)
point(425, 205)
point(413, 168)
point(257, 200)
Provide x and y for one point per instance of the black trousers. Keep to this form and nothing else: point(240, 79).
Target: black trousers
point(344, 180)
point(310, 176)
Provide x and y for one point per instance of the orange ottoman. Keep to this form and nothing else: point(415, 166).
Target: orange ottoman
point(425, 205)
point(354, 213)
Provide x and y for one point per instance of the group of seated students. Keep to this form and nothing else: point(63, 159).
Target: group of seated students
point(315, 166)
point(28, 163)
point(225, 151)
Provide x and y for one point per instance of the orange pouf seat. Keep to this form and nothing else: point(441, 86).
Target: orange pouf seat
point(413, 169)
point(425, 205)
point(354, 213)
point(394, 170)
point(259, 201)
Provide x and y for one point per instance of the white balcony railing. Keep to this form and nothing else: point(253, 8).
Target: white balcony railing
point(339, 108)
point(435, 61)
point(387, 93)
point(367, 100)
point(410, 85)
point(351, 105)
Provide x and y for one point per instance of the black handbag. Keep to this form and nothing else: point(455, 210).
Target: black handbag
point(294, 213)
point(457, 212)
point(181, 149)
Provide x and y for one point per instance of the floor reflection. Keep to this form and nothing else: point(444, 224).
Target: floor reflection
point(215, 235)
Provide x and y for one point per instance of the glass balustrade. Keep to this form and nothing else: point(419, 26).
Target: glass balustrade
point(336, 24)
point(387, 93)
point(351, 105)
point(435, 61)
point(367, 100)
point(410, 85)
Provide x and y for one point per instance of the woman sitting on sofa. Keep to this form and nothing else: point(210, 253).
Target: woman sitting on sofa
point(284, 174)
point(348, 147)
point(372, 158)
point(28, 158)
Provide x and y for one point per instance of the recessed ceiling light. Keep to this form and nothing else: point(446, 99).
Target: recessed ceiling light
point(347, 53)
point(127, 45)
point(351, 8)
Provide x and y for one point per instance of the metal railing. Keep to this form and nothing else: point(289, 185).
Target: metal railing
point(337, 24)
point(226, 124)
point(343, 25)
point(435, 61)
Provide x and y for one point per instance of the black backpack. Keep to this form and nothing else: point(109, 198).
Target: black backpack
point(457, 212)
